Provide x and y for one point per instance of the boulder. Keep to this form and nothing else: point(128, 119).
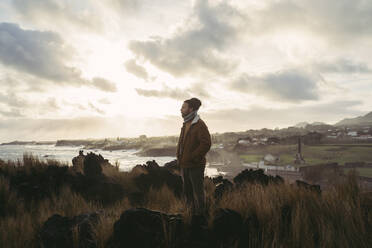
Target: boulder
point(256, 176)
point(223, 186)
point(227, 228)
point(78, 162)
point(172, 166)
point(92, 165)
point(156, 177)
point(198, 235)
point(58, 231)
point(144, 228)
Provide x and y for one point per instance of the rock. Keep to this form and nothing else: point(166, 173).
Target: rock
point(150, 165)
point(156, 177)
point(198, 234)
point(255, 176)
point(143, 228)
point(78, 162)
point(92, 165)
point(223, 186)
point(172, 166)
point(57, 231)
point(217, 180)
point(227, 228)
point(305, 185)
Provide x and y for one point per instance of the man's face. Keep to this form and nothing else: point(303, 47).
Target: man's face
point(185, 110)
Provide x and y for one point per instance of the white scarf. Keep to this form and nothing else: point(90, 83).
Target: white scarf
point(190, 116)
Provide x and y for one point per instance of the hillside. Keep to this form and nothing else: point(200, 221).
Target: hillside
point(357, 121)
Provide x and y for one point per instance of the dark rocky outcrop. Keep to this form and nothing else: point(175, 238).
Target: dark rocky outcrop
point(227, 228)
point(78, 162)
point(198, 234)
point(172, 166)
point(58, 231)
point(144, 228)
point(305, 185)
point(156, 177)
point(92, 165)
point(223, 186)
point(256, 176)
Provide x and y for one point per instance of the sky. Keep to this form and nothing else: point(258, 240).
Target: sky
point(122, 68)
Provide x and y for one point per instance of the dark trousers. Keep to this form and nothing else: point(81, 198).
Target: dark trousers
point(193, 188)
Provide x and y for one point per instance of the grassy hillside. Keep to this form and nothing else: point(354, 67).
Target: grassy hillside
point(285, 215)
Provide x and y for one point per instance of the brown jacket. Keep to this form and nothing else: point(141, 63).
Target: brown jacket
point(192, 150)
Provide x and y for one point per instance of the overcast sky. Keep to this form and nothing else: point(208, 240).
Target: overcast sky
point(94, 68)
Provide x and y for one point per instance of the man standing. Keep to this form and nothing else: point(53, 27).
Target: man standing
point(193, 144)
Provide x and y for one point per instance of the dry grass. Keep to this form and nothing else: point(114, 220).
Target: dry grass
point(333, 219)
point(288, 216)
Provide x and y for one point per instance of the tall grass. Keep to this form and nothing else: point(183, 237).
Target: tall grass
point(286, 215)
point(333, 219)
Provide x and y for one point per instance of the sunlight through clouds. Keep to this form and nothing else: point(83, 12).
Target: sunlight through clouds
point(126, 60)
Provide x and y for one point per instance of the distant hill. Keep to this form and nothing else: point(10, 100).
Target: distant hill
point(318, 123)
point(305, 124)
point(357, 121)
point(302, 124)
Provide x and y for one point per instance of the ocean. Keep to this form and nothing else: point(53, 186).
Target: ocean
point(126, 158)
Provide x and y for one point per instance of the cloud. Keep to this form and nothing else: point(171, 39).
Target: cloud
point(13, 113)
point(139, 71)
point(288, 85)
point(342, 66)
point(42, 54)
point(53, 129)
point(104, 101)
point(257, 117)
point(128, 6)
point(200, 90)
point(100, 111)
point(77, 128)
point(198, 46)
point(19, 106)
point(266, 116)
point(38, 53)
point(52, 13)
point(197, 89)
point(12, 100)
point(166, 92)
point(339, 20)
point(104, 84)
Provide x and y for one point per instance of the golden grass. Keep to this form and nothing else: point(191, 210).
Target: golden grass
point(336, 218)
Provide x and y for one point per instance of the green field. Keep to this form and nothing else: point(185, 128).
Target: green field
point(313, 154)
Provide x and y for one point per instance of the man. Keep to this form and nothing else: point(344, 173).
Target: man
point(193, 144)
